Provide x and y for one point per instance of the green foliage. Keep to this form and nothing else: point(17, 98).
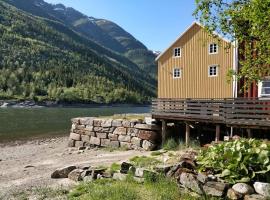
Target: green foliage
point(238, 161)
point(115, 167)
point(246, 22)
point(144, 161)
point(156, 153)
point(41, 59)
point(163, 189)
point(172, 144)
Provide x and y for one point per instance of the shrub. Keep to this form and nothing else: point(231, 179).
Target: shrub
point(171, 144)
point(237, 161)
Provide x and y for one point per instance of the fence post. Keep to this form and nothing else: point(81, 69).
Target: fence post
point(187, 135)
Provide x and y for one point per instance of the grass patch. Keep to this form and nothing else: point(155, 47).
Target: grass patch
point(144, 161)
point(173, 145)
point(115, 167)
point(157, 153)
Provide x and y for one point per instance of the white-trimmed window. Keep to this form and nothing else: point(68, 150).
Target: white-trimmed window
point(177, 52)
point(177, 73)
point(213, 70)
point(213, 48)
point(264, 88)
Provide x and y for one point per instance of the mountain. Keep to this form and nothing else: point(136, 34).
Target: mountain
point(101, 31)
point(42, 57)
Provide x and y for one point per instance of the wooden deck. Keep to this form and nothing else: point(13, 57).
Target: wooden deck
point(240, 112)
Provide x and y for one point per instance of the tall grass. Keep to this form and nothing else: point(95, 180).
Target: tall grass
point(173, 145)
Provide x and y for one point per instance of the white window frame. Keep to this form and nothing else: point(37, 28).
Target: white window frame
point(217, 70)
point(174, 52)
point(260, 87)
point(209, 49)
point(174, 73)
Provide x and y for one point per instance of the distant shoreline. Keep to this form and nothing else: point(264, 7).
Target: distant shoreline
point(53, 104)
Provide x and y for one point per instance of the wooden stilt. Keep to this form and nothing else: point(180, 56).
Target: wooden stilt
point(187, 135)
point(164, 131)
point(217, 133)
point(249, 133)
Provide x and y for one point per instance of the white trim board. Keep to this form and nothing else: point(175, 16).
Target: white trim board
point(194, 23)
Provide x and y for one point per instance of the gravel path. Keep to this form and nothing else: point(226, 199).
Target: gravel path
point(27, 166)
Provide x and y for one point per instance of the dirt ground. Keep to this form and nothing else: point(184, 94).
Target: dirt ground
point(27, 166)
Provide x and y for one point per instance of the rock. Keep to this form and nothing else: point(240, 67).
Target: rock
point(86, 173)
point(232, 194)
point(84, 166)
point(255, 197)
point(85, 138)
point(216, 189)
point(114, 144)
point(97, 123)
point(125, 167)
point(148, 146)
point(212, 177)
point(144, 173)
point(79, 143)
point(202, 177)
point(87, 121)
point(163, 169)
point(89, 128)
point(75, 121)
point(126, 145)
point(262, 188)
point(95, 141)
point(98, 129)
point(107, 175)
point(136, 141)
point(124, 138)
point(81, 148)
point(148, 135)
point(107, 123)
point(76, 175)
point(105, 142)
point(117, 123)
point(90, 133)
point(119, 176)
point(188, 163)
point(62, 172)
point(113, 137)
point(243, 188)
point(74, 136)
point(102, 135)
point(126, 123)
point(147, 127)
point(80, 127)
point(120, 131)
point(133, 132)
point(189, 181)
point(71, 143)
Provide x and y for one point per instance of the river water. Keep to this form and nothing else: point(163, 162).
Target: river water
point(28, 123)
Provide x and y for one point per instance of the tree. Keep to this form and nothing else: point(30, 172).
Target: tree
point(246, 22)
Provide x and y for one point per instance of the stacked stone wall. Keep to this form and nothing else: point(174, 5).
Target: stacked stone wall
point(114, 133)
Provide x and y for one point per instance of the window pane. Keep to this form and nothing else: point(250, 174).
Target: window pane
point(265, 90)
point(266, 83)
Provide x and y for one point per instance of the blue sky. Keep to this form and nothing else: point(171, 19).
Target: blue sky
point(156, 23)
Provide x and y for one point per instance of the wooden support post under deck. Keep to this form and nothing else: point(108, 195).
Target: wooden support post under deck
point(187, 135)
point(249, 133)
point(217, 133)
point(164, 131)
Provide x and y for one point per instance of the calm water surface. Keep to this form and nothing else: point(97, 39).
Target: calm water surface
point(26, 123)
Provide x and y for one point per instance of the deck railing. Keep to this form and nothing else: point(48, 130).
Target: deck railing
point(234, 112)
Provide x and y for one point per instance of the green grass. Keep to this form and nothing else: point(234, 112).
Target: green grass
point(115, 167)
point(144, 161)
point(161, 189)
point(157, 153)
point(173, 145)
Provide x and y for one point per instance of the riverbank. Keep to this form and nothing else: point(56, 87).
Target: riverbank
point(29, 166)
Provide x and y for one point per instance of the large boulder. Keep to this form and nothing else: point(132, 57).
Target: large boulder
point(148, 135)
point(232, 194)
point(254, 197)
point(216, 189)
point(119, 176)
point(243, 188)
point(63, 172)
point(76, 175)
point(262, 188)
point(189, 181)
point(148, 146)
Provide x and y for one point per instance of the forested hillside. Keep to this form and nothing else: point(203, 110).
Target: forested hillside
point(43, 59)
point(104, 32)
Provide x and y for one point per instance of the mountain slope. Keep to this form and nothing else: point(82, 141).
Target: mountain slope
point(101, 31)
point(45, 60)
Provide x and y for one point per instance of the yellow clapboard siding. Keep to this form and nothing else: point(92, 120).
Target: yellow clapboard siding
point(194, 62)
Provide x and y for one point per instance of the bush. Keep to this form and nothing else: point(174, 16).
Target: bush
point(237, 161)
point(171, 145)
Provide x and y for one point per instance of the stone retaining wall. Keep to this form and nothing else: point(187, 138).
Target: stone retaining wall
point(131, 134)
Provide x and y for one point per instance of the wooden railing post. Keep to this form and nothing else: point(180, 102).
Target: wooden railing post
point(217, 133)
point(164, 131)
point(187, 135)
